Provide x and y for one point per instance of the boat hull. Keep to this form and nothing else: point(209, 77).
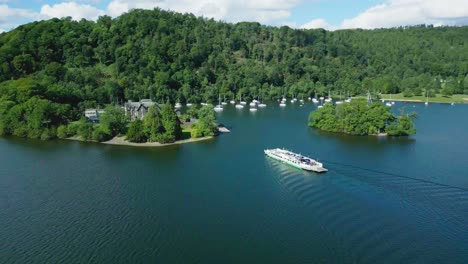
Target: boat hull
point(298, 166)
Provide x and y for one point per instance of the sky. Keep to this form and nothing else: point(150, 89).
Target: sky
point(327, 14)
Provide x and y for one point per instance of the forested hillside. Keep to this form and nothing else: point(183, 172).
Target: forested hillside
point(61, 66)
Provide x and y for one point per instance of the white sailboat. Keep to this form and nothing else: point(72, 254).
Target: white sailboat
point(240, 105)
point(178, 106)
point(260, 104)
point(314, 100)
point(329, 99)
point(224, 101)
point(219, 107)
point(348, 100)
point(340, 101)
point(427, 98)
point(283, 102)
point(189, 104)
point(242, 102)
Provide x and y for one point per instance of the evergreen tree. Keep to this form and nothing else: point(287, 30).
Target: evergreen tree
point(135, 132)
point(113, 121)
point(152, 123)
point(171, 123)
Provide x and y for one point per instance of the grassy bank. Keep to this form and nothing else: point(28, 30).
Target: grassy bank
point(456, 98)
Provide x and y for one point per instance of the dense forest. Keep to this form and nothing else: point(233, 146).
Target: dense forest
point(361, 118)
point(50, 71)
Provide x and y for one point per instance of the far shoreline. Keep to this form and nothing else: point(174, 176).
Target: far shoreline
point(438, 99)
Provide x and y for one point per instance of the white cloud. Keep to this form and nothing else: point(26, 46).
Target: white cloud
point(7, 12)
point(318, 23)
point(394, 13)
point(264, 11)
point(2, 30)
point(72, 9)
point(10, 17)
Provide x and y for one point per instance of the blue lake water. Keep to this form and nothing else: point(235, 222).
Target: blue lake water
point(384, 200)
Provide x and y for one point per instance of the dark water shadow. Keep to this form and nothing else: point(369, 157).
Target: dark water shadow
point(362, 140)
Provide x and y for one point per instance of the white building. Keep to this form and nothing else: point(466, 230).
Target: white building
point(93, 114)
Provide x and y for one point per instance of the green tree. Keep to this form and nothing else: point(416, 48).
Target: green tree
point(135, 132)
point(62, 131)
point(152, 124)
point(113, 121)
point(85, 129)
point(170, 123)
point(206, 125)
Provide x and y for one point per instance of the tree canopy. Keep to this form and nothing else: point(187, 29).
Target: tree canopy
point(73, 65)
point(361, 118)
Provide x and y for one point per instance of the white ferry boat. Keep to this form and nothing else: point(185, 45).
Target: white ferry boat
point(295, 160)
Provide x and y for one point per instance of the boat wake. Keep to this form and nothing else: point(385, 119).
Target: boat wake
point(372, 214)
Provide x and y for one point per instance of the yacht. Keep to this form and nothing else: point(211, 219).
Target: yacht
point(427, 98)
point(188, 104)
point(295, 160)
point(282, 104)
point(241, 103)
point(218, 107)
point(224, 101)
point(388, 104)
point(315, 101)
point(328, 99)
point(253, 103)
point(232, 102)
point(178, 106)
point(253, 109)
point(261, 104)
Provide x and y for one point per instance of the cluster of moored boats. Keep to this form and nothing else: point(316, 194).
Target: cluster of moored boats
point(255, 104)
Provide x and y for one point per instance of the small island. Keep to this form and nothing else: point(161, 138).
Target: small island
point(159, 126)
point(359, 117)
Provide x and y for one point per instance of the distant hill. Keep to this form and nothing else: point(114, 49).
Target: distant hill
point(162, 54)
point(165, 55)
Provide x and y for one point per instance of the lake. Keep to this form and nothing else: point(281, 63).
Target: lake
point(384, 200)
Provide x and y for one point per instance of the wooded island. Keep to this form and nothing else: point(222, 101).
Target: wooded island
point(359, 117)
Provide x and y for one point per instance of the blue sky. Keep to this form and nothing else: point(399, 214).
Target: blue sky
point(328, 14)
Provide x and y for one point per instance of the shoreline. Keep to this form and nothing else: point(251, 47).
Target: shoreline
point(455, 99)
point(120, 141)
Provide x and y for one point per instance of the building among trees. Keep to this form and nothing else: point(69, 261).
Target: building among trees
point(137, 110)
